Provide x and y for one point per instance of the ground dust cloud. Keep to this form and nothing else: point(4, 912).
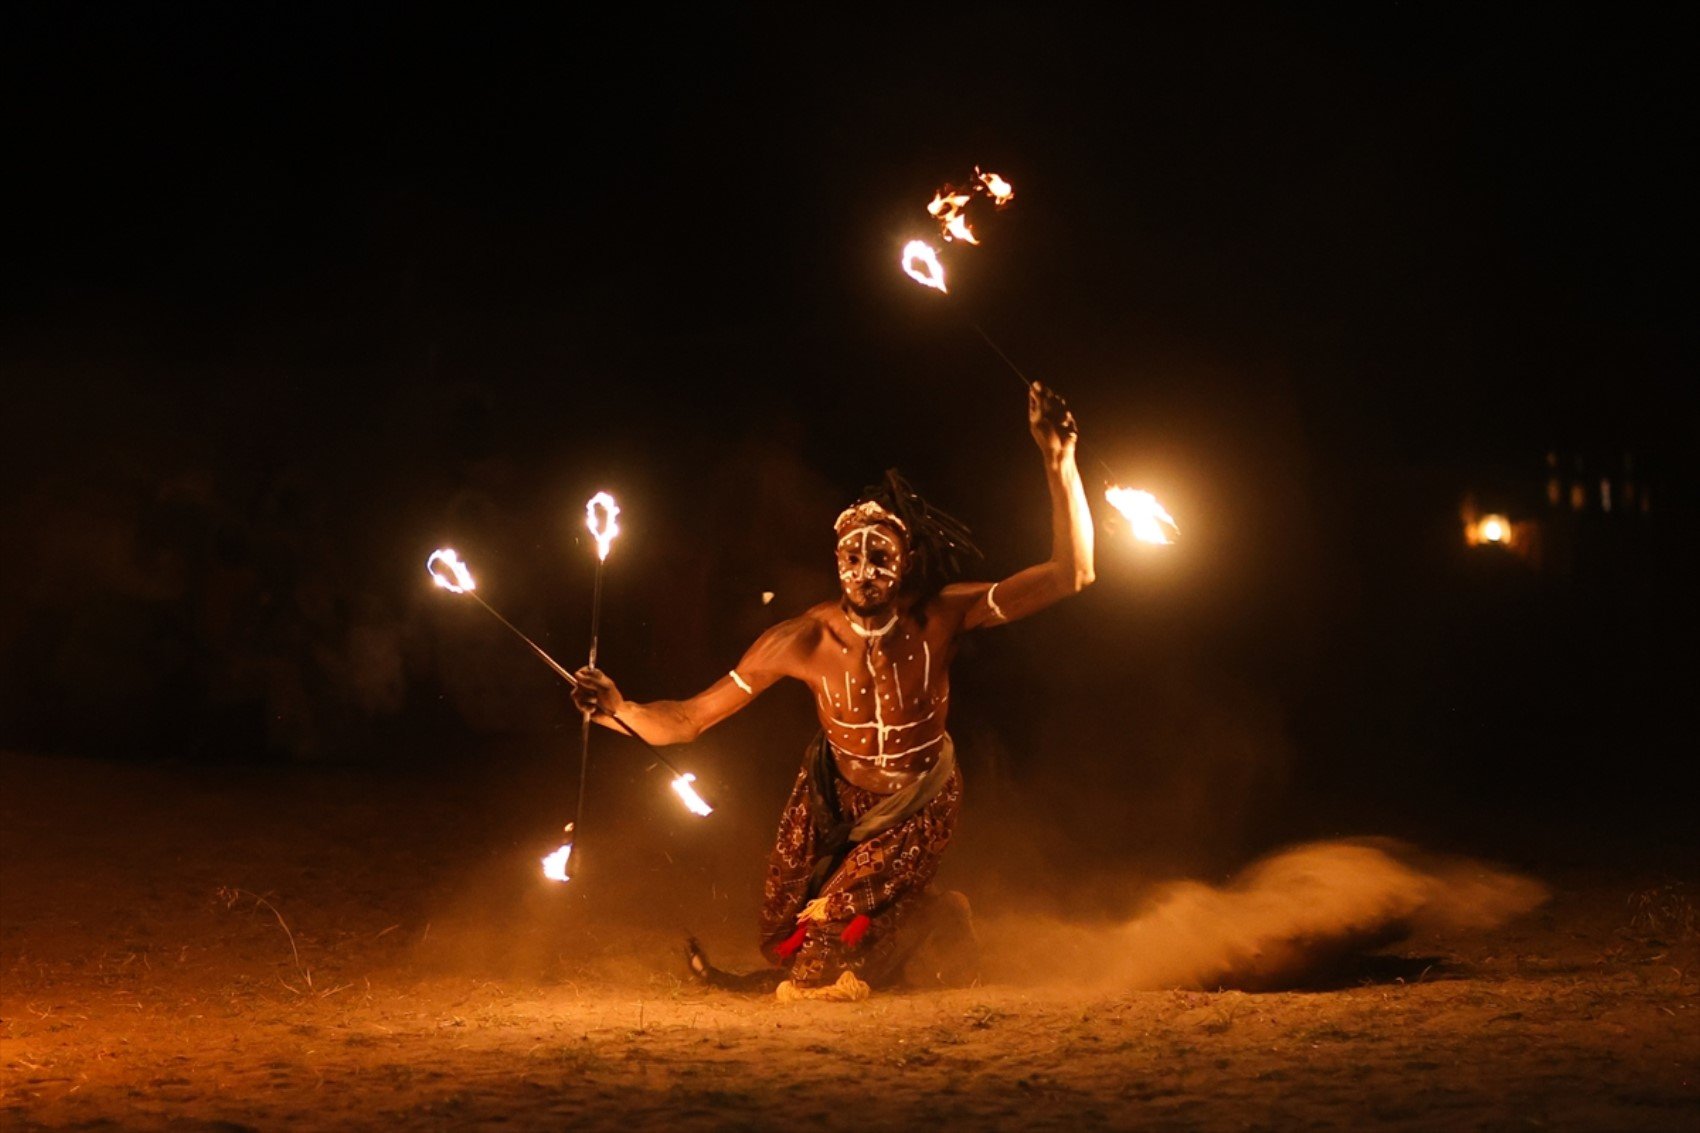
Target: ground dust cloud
point(1288, 920)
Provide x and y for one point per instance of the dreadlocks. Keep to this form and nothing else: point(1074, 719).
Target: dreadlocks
point(940, 549)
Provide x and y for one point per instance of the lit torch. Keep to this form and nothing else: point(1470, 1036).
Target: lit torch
point(451, 574)
point(922, 264)
point(602, 518)
point(949, 206)
point(555, 864)
point(448, 572)
point(1146, 518)
point(1001, 191)
point(688, 795)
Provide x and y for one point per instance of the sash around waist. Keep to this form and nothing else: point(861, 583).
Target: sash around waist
point(883, 815)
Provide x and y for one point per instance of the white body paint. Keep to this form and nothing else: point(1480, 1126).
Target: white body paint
point(886, 739)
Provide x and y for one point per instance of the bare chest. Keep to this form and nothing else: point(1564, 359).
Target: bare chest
point(882, 698)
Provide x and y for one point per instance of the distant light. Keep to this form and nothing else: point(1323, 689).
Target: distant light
point(766, 597)
point(1495, 529)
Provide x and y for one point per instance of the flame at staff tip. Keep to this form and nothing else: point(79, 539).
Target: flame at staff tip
point(946, 208)
point(462, 578)
point(555, 864)
point(1149, 522)
point(602, 516)
point(693, 801)
point(946, 201)
point(919, 252)
point(1001, 191)
point(950, 204)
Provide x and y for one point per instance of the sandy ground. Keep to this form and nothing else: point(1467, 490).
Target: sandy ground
point(293, 950)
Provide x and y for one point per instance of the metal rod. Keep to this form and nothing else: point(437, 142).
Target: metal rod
point(1026, 382)
point(584, 724)
point(535, 648)
point(1110, 476)
point(596, 613)
point(561, 672)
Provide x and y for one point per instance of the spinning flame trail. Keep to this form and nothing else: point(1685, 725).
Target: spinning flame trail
point(449, 572)
point(1148, 521)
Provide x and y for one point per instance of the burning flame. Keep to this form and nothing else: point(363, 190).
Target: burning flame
point(930, 273)
point(946, 202)
point(1149, 522)
point(949, 207)
point(555, 864)
point(602, 516)
point(1001, 191)
point(693, 801)
point(950, 203)
point(462, 578)
point(946, 208)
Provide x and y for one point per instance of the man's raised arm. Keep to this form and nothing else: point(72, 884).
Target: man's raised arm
point(1069, 570)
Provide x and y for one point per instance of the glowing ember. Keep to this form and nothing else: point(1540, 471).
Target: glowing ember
point(457, 579)
point(1495, 529)
point(555, 865)
point(602, 516)
point(922, 264)
point(693, 801)
point(1145, 516)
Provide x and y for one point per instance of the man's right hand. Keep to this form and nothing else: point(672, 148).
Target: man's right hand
point(594, 692)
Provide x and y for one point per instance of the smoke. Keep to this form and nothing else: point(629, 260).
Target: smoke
point(1289, 920)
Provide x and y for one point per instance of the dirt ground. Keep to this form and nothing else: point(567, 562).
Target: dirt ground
point(322, 949)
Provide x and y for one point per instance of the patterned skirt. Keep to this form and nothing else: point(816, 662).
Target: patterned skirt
point(880, 885)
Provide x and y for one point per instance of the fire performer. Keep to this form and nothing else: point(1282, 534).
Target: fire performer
point(876, 800)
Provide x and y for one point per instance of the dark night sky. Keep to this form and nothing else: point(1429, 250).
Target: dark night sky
point(1433, 220)
point(1308, 273)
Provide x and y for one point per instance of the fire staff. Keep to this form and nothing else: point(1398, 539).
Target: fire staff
point(876, 800)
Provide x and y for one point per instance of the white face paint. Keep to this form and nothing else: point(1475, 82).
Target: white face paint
point(871, 561)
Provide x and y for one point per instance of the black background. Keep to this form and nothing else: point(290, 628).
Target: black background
point(294, 295)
